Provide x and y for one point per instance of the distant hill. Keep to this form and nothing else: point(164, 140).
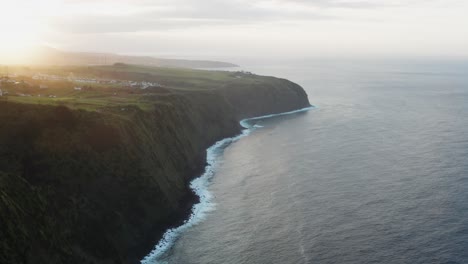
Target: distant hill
point(51, 56)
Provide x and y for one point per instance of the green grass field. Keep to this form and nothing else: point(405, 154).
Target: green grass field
point(103, 96)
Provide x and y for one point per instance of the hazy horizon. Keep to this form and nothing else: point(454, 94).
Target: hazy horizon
point(210, 29)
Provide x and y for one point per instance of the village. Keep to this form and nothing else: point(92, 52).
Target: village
point(102, 81)
point(39, 84)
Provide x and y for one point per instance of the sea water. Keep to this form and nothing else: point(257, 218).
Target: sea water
point(377, 172)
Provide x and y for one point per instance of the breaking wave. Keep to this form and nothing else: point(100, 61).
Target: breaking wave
point(200, 188)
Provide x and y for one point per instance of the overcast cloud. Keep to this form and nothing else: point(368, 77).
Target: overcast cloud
point(248, 27)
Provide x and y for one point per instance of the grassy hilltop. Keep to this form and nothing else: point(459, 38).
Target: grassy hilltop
point(98, 96)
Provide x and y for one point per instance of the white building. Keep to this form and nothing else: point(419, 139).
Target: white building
point(77, 88)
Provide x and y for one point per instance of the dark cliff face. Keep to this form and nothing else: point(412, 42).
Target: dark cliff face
point(88, 187)
point(271, 95)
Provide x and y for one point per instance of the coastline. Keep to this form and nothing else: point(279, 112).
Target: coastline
point(199, 186)
point(115, 181)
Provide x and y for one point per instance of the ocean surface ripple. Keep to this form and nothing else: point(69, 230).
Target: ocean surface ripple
point(377, 173)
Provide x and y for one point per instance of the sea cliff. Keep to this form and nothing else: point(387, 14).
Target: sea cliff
point(81, 186)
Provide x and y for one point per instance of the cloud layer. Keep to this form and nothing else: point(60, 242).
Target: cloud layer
point(319, 25)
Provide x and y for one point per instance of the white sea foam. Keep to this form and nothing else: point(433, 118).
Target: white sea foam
point(200, 188)
point(246, 122)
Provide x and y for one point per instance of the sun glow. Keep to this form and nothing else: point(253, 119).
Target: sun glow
point(20, 29)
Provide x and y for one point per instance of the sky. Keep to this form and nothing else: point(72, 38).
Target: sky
point(210, 28)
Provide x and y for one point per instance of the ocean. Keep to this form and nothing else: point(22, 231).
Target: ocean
point(376, 172)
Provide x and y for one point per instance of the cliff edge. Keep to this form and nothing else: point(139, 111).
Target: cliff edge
point(82, 185)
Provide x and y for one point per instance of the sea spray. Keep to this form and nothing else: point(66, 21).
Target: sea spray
point(200, 188)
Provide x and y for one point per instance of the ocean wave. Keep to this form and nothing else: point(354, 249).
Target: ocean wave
point(246, 123)
point(200, 188)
